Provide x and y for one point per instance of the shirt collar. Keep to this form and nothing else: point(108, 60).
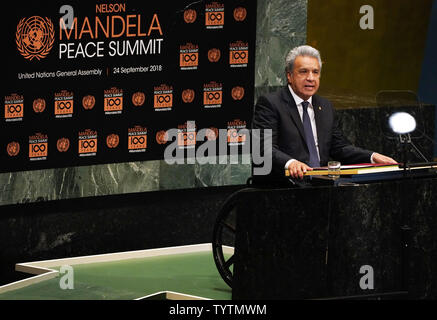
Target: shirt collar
point(298, 100)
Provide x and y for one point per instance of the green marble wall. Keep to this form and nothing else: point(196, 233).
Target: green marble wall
point(281, 24)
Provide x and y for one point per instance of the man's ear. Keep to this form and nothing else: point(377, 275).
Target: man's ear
point(289, 76)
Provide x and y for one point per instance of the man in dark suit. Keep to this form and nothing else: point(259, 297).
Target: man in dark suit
point(305, 130)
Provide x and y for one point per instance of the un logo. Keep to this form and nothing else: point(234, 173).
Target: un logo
point(35, 37)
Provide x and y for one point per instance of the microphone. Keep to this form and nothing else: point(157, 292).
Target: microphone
point(416, 150)
point(406, 138)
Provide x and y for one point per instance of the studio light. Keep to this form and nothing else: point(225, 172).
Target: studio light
point(402, 122)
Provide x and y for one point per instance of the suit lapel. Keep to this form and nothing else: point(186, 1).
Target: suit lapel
point(293, 112)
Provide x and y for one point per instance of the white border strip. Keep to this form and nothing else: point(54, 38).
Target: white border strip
point(43, 271)
point(108, 257)
point(172, 295)
point(49, 274)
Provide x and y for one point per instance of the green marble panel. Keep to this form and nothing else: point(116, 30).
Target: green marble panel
point(215, 172)
point(176, 176)
point(76, 182)
point(281, 26)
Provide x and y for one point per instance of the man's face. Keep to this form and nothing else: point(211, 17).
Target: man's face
point(305, 77)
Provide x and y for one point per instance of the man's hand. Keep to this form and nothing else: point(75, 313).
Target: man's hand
point(381, 159)
point(297, 169)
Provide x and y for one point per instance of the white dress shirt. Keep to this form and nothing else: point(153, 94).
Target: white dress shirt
point(298, 100)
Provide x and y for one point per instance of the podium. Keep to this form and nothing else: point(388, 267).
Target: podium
point(352, 241)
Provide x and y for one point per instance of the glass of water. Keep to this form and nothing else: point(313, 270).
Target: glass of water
point(334, 169)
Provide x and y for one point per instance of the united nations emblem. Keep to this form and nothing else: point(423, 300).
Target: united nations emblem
point(63, 144)
point(138, 99)
point(39, 105)
point(240, 14)
point(213, 55)
point(211, 133)
point(161, 137)
point(237, 93)
point(35, 37)
point(190, 15)
point(112, 140)
point(188, 95)
point(13, 148)
point(88, 102)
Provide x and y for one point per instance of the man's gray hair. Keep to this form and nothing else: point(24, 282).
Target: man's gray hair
point(307, 51)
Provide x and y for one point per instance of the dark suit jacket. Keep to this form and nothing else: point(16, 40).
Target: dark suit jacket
point(278, 111)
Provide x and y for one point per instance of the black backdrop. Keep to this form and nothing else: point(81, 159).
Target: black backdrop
point(35, 80)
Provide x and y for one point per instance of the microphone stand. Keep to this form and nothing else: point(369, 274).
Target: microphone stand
point(405, 140)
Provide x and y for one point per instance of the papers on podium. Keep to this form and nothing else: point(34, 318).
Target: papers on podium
point(364, 168)
point(361, 168)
